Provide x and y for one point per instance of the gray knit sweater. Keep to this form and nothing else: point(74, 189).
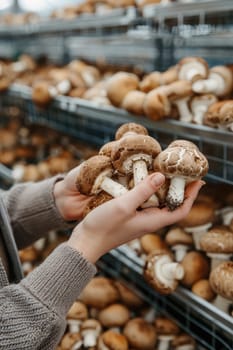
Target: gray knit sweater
point(32, 312)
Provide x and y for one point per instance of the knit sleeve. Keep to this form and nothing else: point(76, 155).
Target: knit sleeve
point(32, 211)
point(32, 313)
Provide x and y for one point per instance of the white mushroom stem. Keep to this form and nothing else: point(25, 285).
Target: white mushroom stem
point(227, 215)
point(89, 337)
point(218, 258)
point(180, 251)
point(64, 87)
point(183, 108)
point(136, 246)
point(222, 303)
point(172, 271)
point(27, 267)
point(197, 233)
point(18, 172)
point(77, 345)
point(214, 84)
point(74, 325)
point(19, 66)
point(199, 111)
point(175, 194)
point(113, 188)
point(164, 342)
point(190, 70)
point(140, 172)
point(40, 244)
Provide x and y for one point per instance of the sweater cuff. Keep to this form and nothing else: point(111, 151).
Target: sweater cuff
point(59, 280)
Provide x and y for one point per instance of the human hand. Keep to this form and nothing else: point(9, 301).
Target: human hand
point(70, 203)
point(118, 220)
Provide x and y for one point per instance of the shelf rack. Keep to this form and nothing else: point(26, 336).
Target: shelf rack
point(97, 124)
point(211, 327)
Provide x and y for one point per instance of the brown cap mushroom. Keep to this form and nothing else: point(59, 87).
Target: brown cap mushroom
point(130, 129)
point(219, 82)
point(181, 164)
point(95, 201)
point(192, 69)
point(76, 315)
point(119, 85)
point(127, 296)
point(133, 102)
point(111, 340)
point(106, 149)
point(155, 79)
point(43, 93)
point(99, 293)
point(134, 154)
point(157, 104)
point(90, 331)
point(195, 266)
point(220, 115)
point(115, 315)
point(218, 245)
point(71, 341)
point(140, 334)
point(152, 241)
point(95, 175)
point(183, 342)
point(199, 106)
point(179, 241)
point(162, 272)
point(221, 283)
point(203, 289)
point(166, 330)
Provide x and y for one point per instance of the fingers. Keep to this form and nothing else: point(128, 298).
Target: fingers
point(140, 193)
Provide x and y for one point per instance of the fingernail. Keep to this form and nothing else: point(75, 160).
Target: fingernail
point(157, 179)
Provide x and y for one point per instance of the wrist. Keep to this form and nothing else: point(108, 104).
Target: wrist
point(59, 196)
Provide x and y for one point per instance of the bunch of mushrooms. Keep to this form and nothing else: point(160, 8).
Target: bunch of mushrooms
point(182, 162)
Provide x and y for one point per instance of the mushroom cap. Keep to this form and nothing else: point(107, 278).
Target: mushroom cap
point(152, 241)
point(177, 235)
point(133, 102)
point(187, 63)
point(140, 334)
point(221, 280)
point(136, 146)
point(150, 275)
point(196, 267)
point(29, 254)
point(203, 289)
point(179, 89)
point(219, 113)
point(151, 81)
point(115, 315)
point(226, 74)
point(90, 170)
point(41, 94)
point(70, 339)
point(182, 339)
point(200, 214)
point(157, 105)
point(182, 143)
point(127, 296)
point(217, 240)
point(78, 311)
point(130, 128)
point(113, 341)
point(181, 161)
point(91, 324)
point(205, 99)
point(106, 149)
point(165, 326)
point(119, 85)
point(99, 293)
point(96, 201)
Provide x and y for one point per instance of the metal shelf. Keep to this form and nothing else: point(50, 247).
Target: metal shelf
point(97, 124)
point(211, 327)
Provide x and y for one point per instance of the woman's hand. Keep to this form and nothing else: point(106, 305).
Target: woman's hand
point(118, 220)
point(70, 203)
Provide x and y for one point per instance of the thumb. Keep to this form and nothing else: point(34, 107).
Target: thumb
point(140, 193)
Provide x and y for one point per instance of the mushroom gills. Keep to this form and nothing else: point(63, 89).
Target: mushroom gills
point(168, 271)
point(197, 233)
point(175, 194)
point(214, 84)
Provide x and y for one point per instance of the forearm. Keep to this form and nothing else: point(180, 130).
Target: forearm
point(32, 314)
point(32, 211)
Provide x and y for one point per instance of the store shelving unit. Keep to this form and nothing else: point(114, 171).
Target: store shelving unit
point(173, 30)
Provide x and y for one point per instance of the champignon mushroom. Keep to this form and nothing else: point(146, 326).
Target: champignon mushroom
point(198, 221)
point(195, 266)
point(140, 334)
point(111, 340)
point(182, 163)
point(192, 69)
point(152, 241)
point(95, 175)
point(127, 296)
point(99, 293)
point(119, 85)
point(166, 330)
point(115, 315)
point(134, 154)
point(155, 79)
point(199, 106)
point(183, 342)
point(221, 283)
point(157, 104)
point(218, 245)
point(162, 272)
point(133, 102)
point(219, 82)
point(220, 115)
point(76, 315)
point(127, 129)
point(43, 93)
point(90, 331)
point(71, 341)
point(179, 241)
point(203, 289)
